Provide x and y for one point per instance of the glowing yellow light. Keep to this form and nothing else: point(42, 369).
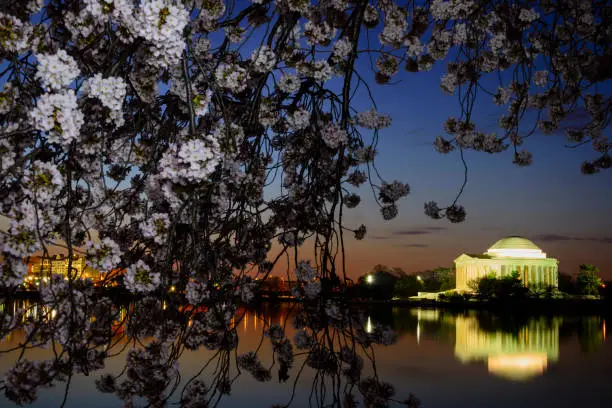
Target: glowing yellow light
point(370, 279)
point(516, 253)
point(172, 288)
point(518, 367)
point(369, 326)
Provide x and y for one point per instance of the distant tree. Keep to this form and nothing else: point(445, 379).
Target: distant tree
point(408, 285)
point(590, 334)
point(377, 284)
point(398, 271)
point(484, 286)
point(441, 279)
point(492, 287)
point(588, 281)
point(566, 283)
point(510, 286)
point(381, 268)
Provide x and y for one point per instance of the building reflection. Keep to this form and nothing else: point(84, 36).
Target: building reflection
point(516, 355)
point(513, 346)
point(259, 319)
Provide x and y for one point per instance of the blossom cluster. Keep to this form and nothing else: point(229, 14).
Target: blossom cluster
point(59, 116)
point(310, 285)
point(196, 292)
point(110, 92)
point(334, 136)
point(16, 34)
point(392, 192)
point(161, 24)
point(289, 83)
point(56, 71)
point(232, 77)
point(156, 227)
point(103, 255)
point(250, 362)
point(300, 119)
point(341, 49)
point(140, 279)
point(191, 162)
point(371, 119)
point(263, 59)
point(43, 182)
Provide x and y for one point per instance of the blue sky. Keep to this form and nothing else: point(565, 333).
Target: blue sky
point(551, 202)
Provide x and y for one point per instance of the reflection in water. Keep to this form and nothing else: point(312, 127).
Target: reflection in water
point(514, 347)
point(516, 356)
point(428, 315)
point(323, 348)
point(142, 352)
point(518, 367)
point(369, 327)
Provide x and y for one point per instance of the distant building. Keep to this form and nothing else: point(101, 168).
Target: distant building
point(40, 269)
point(511, 254)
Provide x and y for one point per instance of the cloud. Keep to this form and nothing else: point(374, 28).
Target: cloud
point(419, 231)
point(562, 238)
point(490, 228)
point(377, 237)
point(554, 238)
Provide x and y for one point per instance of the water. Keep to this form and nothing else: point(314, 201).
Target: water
point(446, 359)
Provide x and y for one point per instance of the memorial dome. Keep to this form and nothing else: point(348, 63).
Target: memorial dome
point(515, 247)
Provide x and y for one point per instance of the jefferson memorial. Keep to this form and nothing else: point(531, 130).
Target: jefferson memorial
point(506, 256)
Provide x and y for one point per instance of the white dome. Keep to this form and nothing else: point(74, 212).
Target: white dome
point(515, 247)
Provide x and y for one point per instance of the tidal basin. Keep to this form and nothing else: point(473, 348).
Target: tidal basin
point(444, 358)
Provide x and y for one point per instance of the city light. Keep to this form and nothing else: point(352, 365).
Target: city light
point(370, 279)
point(369, 325)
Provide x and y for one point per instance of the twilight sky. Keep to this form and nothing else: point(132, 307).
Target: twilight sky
point(550, 202)
point(563, 211)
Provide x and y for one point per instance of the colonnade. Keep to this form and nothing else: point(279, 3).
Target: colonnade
point(532, 274)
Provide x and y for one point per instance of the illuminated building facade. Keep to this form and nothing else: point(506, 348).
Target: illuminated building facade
point(42, 268)
point(508, 255)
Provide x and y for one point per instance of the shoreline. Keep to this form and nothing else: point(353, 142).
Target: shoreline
point(523, 305)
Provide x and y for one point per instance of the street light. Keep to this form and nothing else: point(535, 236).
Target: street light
point(370, 279)
point(419, 279)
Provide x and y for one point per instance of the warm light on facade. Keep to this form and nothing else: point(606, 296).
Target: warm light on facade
point(516, 253)
point(510, 255)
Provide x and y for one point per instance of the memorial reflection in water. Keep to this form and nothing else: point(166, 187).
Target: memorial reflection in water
point(518, 355)
point(513, 347)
